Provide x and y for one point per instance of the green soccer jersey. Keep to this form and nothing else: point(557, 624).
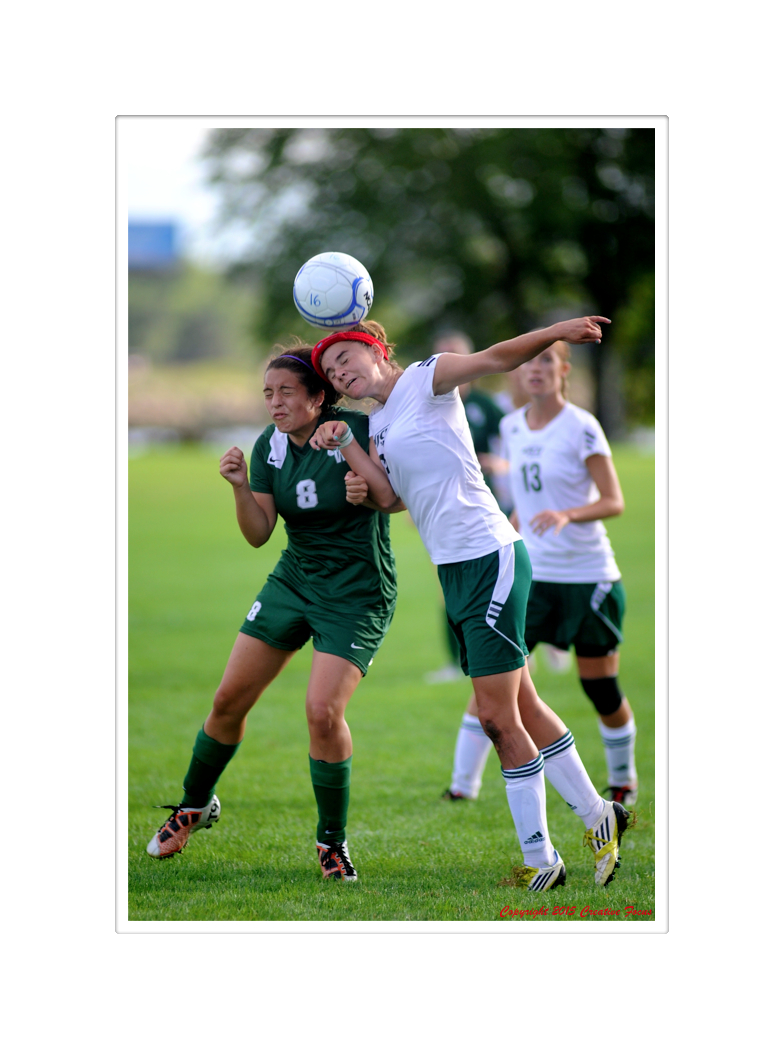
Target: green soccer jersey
point(484, 417)
point(337, 552)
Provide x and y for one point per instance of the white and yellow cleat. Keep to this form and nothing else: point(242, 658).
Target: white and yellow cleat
point(604, 839)
point(172, 837)
point(537, 880)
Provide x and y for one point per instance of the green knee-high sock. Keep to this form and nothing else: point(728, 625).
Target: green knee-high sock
point(331, 787)
point(209, 760)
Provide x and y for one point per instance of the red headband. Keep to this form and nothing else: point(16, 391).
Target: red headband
point(336, 337)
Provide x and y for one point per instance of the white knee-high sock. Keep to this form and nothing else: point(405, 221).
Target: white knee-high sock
point(619, 753)
point(526, 797)
point(564, 769)
point(471, 753)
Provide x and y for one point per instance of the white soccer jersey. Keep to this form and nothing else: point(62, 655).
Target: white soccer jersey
point(425, 444)
point(548, 472)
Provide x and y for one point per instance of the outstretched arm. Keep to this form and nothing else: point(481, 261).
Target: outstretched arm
point(454, 369)
point(381, 493)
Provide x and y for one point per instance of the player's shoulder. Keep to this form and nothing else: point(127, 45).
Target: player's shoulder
point(417, 381)
point(420, 373)
point(581, 417)
point(426, 362)
point(580, 413)
point(264, 438)
point(585, 432)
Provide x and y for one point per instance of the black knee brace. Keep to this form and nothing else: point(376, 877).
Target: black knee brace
point(603, 693)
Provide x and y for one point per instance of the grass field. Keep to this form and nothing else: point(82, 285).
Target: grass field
point(192, 578)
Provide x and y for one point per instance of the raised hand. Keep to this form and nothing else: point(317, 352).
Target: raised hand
point(328, 435)
point(581, 329)
point(233, 467)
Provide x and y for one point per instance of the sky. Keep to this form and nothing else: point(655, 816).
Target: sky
point(166, 181)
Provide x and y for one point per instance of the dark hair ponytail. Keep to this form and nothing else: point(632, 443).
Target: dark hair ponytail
point(297, 360)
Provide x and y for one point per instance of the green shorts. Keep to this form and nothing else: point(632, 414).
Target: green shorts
point(485, 605)
point(285, 619)
point(588, 616)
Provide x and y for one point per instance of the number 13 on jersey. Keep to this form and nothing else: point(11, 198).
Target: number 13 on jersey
point(531, 479)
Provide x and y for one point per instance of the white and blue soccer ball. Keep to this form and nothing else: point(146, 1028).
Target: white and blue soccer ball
point(333, 291)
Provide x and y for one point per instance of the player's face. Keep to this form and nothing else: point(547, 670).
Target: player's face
point(289, 404)
point(350, 368)
point(544, 374)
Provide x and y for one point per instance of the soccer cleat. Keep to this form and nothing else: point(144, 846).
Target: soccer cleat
point(336, 863)
point(172, 837)
point(604, 838)
point(455, 796)
point(626, 795)
point(537, 880)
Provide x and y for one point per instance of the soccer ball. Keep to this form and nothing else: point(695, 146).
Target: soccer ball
point(333, 291)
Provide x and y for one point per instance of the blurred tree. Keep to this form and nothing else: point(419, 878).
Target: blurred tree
point(491, 230)
point(190, 314)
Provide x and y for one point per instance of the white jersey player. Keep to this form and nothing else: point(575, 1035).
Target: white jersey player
point(422, 457)
point(424, 442)
point(564, 483)
point(548, 469)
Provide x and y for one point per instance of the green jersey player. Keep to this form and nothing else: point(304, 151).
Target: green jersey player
point(338, 556)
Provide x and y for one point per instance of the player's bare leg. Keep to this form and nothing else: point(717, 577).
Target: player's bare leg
point(331, 686)
point(522, 769)
point(497, 711)
point(541, 722)
point(251, 667)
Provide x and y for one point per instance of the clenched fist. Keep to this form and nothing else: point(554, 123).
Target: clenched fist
point(356, 488)
point(233, 467)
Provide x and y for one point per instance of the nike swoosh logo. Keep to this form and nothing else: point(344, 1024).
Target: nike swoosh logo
point(357, 646)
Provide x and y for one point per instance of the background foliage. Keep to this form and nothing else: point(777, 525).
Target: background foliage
point(190, 314)
point(492, 230)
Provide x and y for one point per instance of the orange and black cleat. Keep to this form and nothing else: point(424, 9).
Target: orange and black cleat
point(336, 863)
point(172, 837)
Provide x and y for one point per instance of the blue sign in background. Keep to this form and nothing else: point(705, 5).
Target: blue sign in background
point(151, 245)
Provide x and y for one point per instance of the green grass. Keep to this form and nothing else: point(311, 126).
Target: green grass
point(192, 578)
